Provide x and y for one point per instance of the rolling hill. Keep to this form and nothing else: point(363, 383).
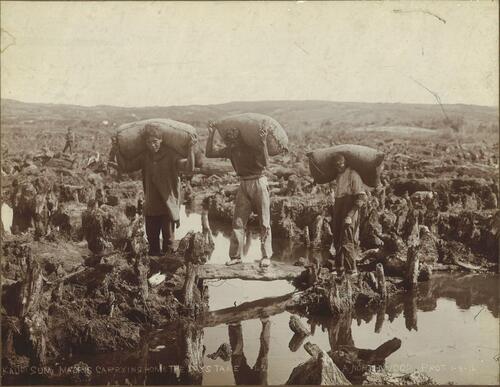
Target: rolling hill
point(293, 115)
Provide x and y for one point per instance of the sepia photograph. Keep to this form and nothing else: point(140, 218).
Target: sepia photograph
point(249, 193)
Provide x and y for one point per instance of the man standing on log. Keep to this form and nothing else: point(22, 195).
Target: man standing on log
point(253, 195)
point(70, 141)
point(349, 198)
point(160, 167)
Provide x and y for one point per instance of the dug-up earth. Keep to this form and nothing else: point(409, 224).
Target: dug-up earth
point(76, 278)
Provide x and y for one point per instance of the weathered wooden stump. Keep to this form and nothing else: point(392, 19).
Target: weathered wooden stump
point(191, 345)
point(297, 327)
point(295, 342)
point(381, 285)
point(318, 232)
point(196, 251)
point(307, 237)
point(340, 296)
point(318, 370)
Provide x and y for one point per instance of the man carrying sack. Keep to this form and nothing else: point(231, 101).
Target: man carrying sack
point(349, 198)
point(161, 166)
point(253, 195)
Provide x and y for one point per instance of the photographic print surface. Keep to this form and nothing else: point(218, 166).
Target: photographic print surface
point(259, 193)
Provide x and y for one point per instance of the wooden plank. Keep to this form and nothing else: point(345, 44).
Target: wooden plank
point(250, 271)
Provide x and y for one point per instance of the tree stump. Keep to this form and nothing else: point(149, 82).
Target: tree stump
point(297, 327)
point(312, 349)
point(191, 346)
point(196, 252)
point(31, 290)
point(318, 232)
point(340, 296)
point(295, 342)
point(318, 370)
point(381, 285)
point(307, 238)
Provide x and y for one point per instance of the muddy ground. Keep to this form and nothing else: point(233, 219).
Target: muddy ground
point(75, 272)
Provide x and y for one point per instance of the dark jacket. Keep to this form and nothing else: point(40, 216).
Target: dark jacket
point(160, 178)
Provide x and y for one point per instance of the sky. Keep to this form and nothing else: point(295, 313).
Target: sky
point(181, 53)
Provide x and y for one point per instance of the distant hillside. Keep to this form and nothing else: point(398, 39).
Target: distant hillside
point(293, 115)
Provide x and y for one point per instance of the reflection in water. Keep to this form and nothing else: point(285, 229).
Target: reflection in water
point(284, 250)
point(465, 308)
point(417, 320)
point(379, 323)
point(339, 330)
point(243, 373)
point(176, 354)
point(410, 312)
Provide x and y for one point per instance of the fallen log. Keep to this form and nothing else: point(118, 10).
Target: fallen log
point(66, 277)
point(264, 307)
point(467, 266)
point(442, 267)
point(250, 271)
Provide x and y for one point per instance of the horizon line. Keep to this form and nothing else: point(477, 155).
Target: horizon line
point(243, 101)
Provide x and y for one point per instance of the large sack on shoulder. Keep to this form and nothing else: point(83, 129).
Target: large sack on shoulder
point(247, 127)
point(364, 160)
point(176, 135)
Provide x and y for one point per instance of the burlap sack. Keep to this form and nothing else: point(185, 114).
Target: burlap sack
point(176, 135)
point(247, 127)
point(364, 160)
